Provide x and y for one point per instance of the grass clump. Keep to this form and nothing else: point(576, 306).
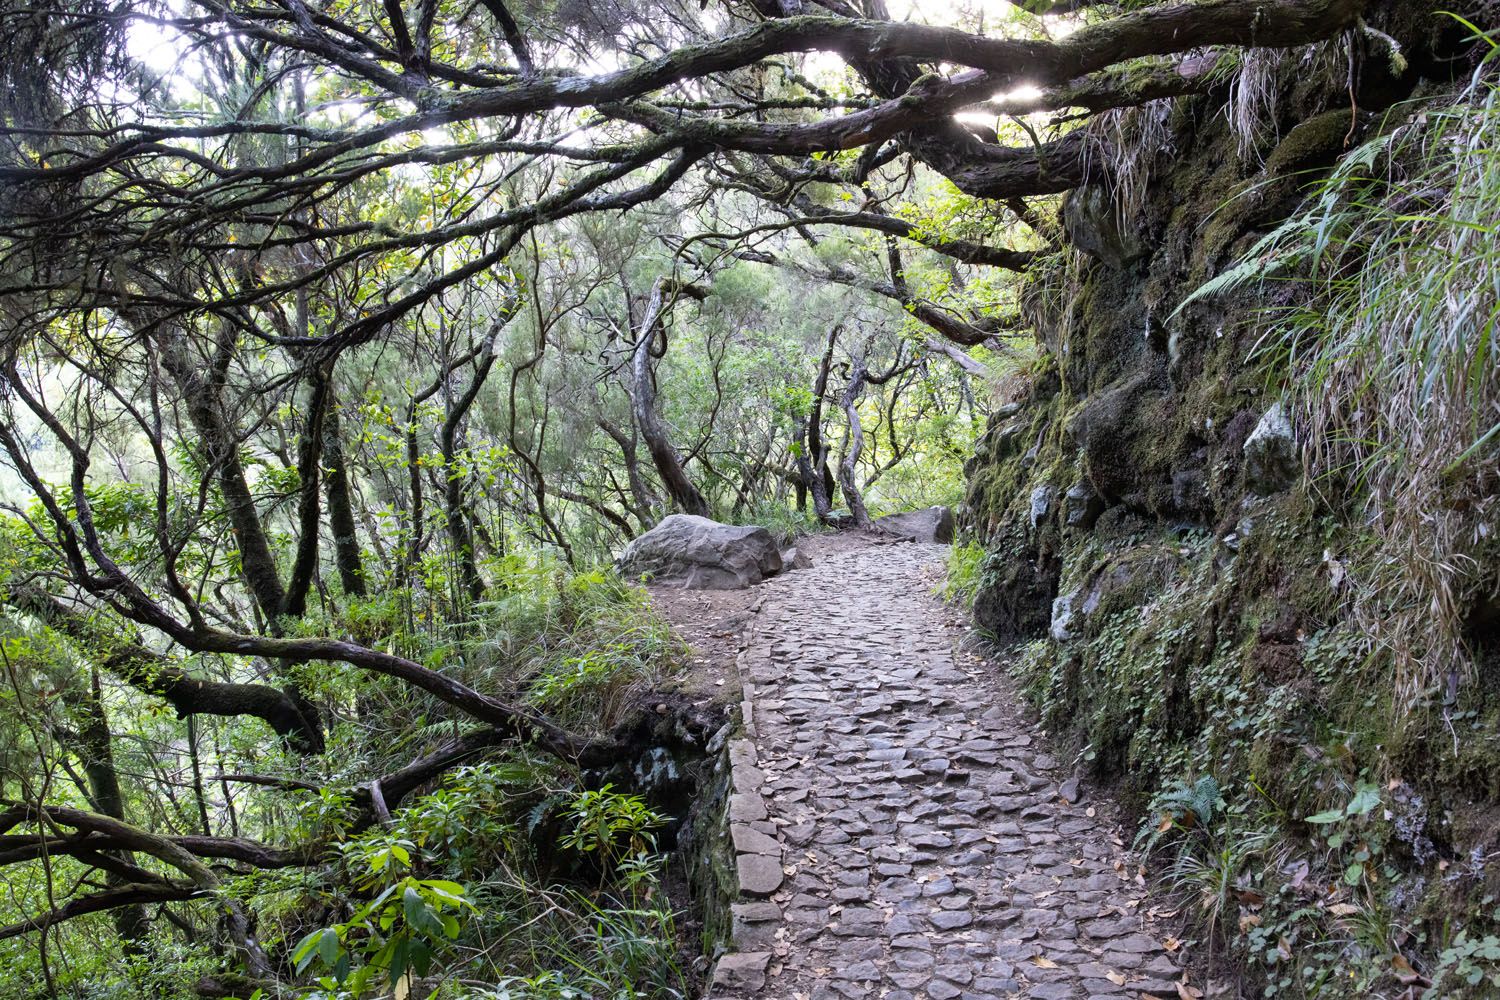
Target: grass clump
point(964, 575)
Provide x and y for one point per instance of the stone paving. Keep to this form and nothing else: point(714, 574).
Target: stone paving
point(929, 845)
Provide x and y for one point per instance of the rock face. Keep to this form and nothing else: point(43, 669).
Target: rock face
point(935, 524)
point(1093, 224)
point(1271, 463)
point(1137, 501)
point(695, 553)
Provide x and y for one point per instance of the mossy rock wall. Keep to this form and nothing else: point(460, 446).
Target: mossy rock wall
point(1170, 622)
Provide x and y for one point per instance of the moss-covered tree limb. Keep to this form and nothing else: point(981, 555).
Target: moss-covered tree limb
point(158, 675)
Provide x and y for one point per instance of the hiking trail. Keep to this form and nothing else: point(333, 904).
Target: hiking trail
point(930, 845)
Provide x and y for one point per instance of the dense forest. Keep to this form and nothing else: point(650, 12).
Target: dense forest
point(344, 345)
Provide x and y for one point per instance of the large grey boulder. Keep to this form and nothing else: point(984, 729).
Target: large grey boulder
point(695, 553)
point(934, 524)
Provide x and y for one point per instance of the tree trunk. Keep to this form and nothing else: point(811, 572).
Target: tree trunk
point(97, 750)
point(456, 515)
point(812, 483)
point(640, 496)
point(817, 450)
point(219, 446)
point(416, 509)
point(674, 477)
point(340, 507)
point(848, 481)
point(309, 510)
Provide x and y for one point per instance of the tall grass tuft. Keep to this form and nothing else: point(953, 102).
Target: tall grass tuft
point(1388, 353)
point(965, 570)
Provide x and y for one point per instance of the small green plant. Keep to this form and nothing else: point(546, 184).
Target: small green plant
point(611, 825)
point(1349, 833)
point(1467, 967)
point(397, 933)
point(327, 815)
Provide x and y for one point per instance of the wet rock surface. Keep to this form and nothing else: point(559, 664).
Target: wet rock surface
point(931, 846)
point(1271, 460)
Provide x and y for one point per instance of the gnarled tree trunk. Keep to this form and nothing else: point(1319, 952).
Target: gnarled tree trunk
point(346, 553)
point(848, 482)
point(218, 441)
point(685, 496)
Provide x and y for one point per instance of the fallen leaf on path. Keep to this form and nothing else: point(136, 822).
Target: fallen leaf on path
point(1171, 944)
point(1404, 970)
point(1118, 978)
point(1186, 992)
point(1042, 962)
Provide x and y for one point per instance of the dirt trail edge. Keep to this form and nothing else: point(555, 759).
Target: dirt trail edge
point(931, 846)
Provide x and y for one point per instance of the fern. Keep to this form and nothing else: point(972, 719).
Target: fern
point(1182, 807)
point(1271, 255)
point(1306, 235)
point(1201, 799)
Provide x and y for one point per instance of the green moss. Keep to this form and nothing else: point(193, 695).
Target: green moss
point(1314, 143)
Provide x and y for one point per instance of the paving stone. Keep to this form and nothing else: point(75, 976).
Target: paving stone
point(746, 808)
point(745, 970)
point(751, 841)
point(1052, 991)
point(863, 971)
point(759, 875)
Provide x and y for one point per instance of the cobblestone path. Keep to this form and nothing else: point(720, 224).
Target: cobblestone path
point(930, 846)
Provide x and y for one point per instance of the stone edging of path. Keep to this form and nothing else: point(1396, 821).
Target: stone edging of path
point(755, 919)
